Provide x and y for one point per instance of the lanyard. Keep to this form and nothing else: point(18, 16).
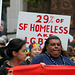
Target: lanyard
point(53, 59)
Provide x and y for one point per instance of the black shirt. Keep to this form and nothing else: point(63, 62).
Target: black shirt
point(3, 70)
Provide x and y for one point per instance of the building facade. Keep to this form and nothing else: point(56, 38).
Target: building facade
point(61, 7)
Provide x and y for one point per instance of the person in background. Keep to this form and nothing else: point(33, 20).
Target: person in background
point(0, 30)
point(5, 38)
point(33, 50)
point(69, 51)
point(2, 57)
point(2, 42)
point(16, 51)
point(73, 55)
point(73, 51)
point(52, 53)
point(3, 28)
point(73, 42)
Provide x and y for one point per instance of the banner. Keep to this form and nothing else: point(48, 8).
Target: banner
point(47, 70)
point(0, 9)
point(37, 27)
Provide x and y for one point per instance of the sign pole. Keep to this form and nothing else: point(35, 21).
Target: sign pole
point(0, 9)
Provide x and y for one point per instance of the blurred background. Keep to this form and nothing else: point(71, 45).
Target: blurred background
point(10, 9)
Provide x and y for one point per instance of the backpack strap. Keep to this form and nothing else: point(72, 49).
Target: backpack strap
point(42, 58)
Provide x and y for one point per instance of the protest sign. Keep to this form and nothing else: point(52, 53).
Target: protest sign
point(47, 70)
point(0, 9)
point(37, 27)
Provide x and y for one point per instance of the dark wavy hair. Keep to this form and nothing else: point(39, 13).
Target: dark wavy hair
point(47, 42)
point(14, 45)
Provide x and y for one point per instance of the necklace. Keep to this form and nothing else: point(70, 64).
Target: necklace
point(12, 65)
point(53, 59)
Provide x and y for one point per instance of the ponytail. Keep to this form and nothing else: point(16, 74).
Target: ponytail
point(3, 52)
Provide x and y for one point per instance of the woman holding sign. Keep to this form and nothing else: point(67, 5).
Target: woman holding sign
point(16, 51)
point(52, 53)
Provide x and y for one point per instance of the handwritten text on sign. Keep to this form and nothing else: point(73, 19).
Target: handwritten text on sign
point(35, 27)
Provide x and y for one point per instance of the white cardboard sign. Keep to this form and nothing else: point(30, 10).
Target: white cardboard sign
point(0, 9)
point(37, 27)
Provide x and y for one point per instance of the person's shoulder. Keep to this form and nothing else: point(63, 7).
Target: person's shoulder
point(38, 55)
point(3, 70)
point(66, 58)
point(3, 66)
point(68, 61)
point(36, 59)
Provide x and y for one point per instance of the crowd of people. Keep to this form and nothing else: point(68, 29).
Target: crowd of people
point(15, 53)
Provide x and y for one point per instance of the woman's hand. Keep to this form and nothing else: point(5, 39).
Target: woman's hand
point(43, 64)
point(10, 72)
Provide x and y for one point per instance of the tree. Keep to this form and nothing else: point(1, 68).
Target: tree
point(46, 4)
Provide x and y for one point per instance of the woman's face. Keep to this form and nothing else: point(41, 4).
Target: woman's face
point(21, 54)
point(35, 51)
point(54, 47)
